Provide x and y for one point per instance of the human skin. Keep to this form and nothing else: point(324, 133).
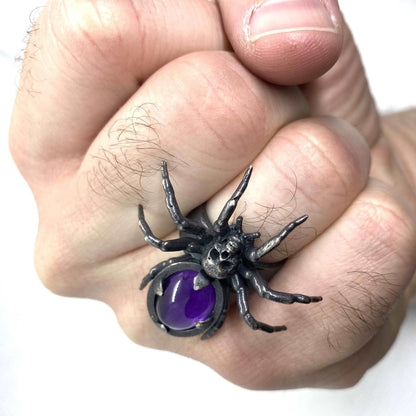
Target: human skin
point(109, 89)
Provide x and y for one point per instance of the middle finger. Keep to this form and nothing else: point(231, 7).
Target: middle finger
point(207, 116)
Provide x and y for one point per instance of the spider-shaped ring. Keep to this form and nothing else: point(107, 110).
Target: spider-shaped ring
point(189, 294)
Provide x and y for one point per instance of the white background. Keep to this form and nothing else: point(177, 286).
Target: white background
point(68, 356)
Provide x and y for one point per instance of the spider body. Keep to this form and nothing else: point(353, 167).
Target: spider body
point(189, 294)
point(223, 255)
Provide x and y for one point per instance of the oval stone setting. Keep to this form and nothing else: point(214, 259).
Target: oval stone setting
point(181, 307)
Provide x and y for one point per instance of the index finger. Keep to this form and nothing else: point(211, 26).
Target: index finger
point(84, 59)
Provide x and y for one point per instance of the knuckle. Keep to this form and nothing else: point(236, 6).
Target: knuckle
point(381, 235)
point(88, 26)
point(137, 329)
point(221, 75)
point(336, 157)
point(220, 89)
point(16, 151)
point(387, 225)
point(54, 266)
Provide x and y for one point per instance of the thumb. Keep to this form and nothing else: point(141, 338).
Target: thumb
point(284, 41)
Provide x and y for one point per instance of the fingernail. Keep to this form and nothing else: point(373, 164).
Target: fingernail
point(283, 16)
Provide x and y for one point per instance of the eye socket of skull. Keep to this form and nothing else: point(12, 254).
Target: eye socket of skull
point(214, 254)
point(224, 254)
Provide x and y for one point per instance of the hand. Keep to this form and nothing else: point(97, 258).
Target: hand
point(108, 91)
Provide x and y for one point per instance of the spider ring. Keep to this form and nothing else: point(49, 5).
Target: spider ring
point(189, 294)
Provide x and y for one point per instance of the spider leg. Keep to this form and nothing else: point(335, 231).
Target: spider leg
point(263, 289)
point(255, 254)
point(180, 221)
point(221, 223)
point(176, 244)
point(154, 271)
point(240, 289)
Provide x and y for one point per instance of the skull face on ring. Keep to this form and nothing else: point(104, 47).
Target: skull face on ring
point(223, 257)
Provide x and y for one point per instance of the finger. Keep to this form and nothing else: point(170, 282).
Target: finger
point(323, 162)
point(361, 265)
point(348, 372)
point(314, 166)
point(230, 123)
point(344, 92)
point(84, 59)
point(304, 42)
point(284, 42)
point(227, 117)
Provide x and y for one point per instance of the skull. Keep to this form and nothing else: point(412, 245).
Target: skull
point(222, 258)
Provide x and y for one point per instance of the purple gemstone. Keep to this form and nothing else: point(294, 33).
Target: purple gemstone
point(181, 306)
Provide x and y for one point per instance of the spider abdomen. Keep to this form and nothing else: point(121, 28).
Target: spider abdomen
point(181, 307)
point(177, 307)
